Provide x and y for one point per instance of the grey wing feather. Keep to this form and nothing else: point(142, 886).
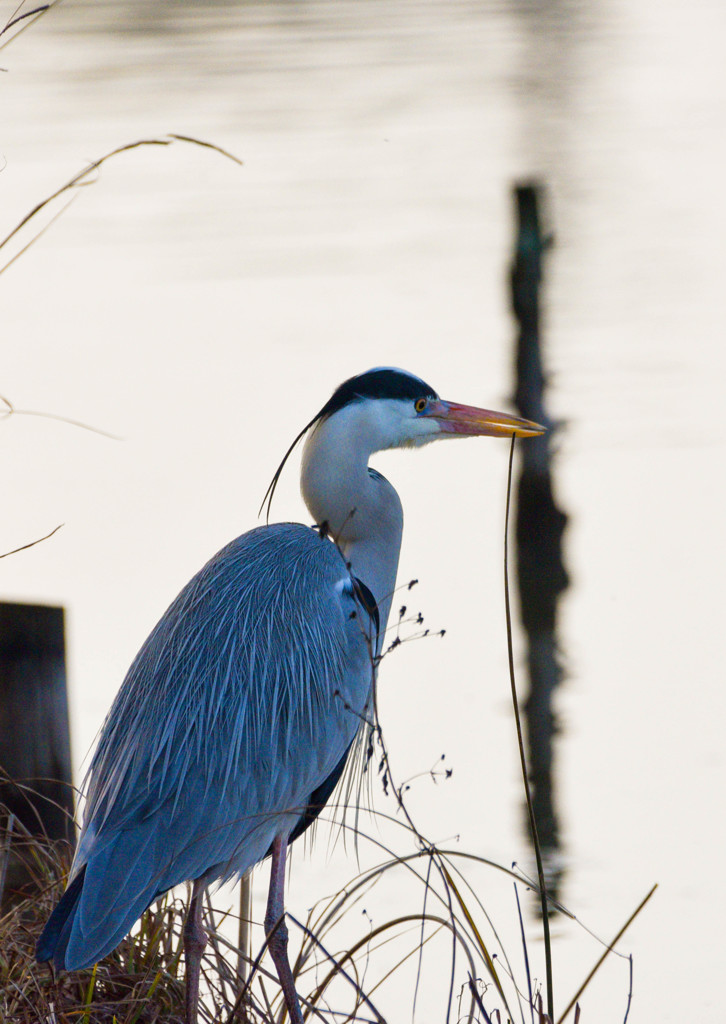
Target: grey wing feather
point(241, 702)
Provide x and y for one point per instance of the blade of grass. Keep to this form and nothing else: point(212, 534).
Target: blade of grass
point(245, 927)
point(526, 954)
point(344, 974)
point(609, 950)
point(89, 995)
point(522, 758)
point(367, 939)
point(477, 999)
point(477, 934)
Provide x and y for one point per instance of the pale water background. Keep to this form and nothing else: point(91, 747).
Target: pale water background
point(205, 311)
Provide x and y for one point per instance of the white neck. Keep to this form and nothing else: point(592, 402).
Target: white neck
point(359, 507)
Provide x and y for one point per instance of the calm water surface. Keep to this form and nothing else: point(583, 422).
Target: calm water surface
point(203, 311)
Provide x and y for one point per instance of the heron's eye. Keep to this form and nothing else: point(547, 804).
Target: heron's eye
point(420, 404)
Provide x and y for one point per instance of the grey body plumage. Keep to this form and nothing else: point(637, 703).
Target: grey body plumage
point(203, 698)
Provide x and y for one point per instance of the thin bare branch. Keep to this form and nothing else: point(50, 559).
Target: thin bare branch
point(86, 177)
point(10, 410)
point(16, 18)
point(24, 547)
point(37, 236)
point(207, 145)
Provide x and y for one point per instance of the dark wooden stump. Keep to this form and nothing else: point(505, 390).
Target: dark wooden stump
point(35, 759)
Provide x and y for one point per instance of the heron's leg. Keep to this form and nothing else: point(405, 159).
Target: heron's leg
point(276, 929)
point(195, 939)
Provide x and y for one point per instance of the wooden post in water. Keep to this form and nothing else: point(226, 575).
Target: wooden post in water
point(541, 574)
point(35, 757)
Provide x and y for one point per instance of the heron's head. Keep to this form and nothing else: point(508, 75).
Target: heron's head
point(391, 408)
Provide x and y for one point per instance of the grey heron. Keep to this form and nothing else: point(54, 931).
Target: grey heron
point(236, 719)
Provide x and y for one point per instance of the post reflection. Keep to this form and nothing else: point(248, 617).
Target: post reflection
point(540, 524)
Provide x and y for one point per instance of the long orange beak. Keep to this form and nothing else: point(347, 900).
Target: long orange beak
point(470, 421)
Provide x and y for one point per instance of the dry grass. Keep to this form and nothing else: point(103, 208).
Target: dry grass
point(142, 981)
point(138, 983)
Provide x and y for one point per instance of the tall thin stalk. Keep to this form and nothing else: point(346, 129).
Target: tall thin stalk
point(522, 758)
